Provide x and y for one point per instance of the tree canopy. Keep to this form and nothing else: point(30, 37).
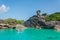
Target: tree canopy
point(53, 17)
point(44, 14)
point(7, 21)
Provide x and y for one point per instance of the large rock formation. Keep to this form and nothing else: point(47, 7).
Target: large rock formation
point(35, 21)
point(39, 21)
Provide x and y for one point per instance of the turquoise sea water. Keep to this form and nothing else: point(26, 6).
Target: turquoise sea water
point(29, 34)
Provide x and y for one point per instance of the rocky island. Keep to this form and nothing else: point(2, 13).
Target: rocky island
point(36, 21)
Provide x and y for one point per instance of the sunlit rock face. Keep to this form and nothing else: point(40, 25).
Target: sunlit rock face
point(35, 21)
point(57, 27)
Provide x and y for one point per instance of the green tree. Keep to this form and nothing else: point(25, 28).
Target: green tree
point(20, 21)
point(10, 20)
point(53, 17)
point(7, 21)
point(44, 14)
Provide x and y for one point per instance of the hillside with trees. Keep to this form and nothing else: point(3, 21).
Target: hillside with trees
point(11, 20)
point(53, 17)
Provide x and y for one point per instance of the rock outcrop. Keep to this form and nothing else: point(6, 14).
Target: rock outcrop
point(53, 24)
point(35, 21)
point(4, 26)
point(38, 21)
point(57, 27)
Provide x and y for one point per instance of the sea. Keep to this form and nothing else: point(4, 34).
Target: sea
point(29, 34)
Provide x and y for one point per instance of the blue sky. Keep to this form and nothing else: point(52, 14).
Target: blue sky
point(23, 9)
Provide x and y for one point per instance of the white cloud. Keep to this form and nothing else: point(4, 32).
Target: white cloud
point(4, 8)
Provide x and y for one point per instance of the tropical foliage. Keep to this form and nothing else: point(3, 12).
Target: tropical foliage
point(53, 17)
point(9, 20)
point(44, 14)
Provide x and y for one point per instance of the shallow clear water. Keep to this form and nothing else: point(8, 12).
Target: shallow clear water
point(29, 34)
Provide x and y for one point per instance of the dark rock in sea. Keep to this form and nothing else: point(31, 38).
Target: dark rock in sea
point(35, 21)
point(14, 27)
point(48, 27)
